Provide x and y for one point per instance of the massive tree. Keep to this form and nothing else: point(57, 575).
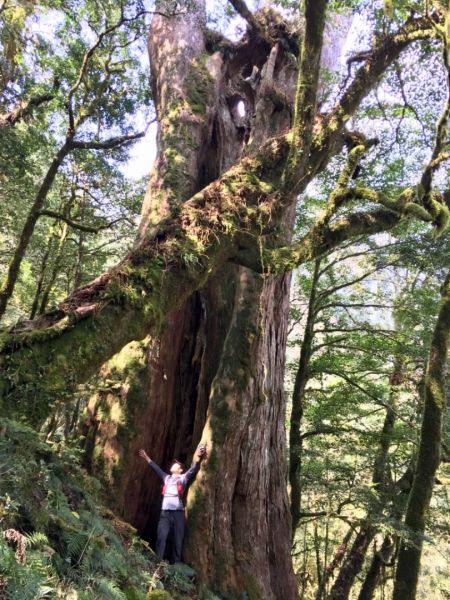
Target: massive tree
point(240, 137)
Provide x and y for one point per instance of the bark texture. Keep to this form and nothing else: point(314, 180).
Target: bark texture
point(213, 369)
point(233, 331)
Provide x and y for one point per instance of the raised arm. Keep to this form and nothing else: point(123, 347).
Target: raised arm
point(153, 465)
point(195, 467)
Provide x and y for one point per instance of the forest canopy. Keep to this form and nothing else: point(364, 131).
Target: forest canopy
point(227, 223)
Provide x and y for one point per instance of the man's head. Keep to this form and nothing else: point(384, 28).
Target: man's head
point(176, 468)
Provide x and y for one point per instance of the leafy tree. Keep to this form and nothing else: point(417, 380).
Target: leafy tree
point(243, 130)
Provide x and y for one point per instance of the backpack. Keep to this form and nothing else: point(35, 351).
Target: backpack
point(180, 489)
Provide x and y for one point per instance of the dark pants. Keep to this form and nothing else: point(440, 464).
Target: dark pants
point(170, 521)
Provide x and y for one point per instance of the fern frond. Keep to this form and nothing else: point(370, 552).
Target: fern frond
point(109, 590)
point(36, 539)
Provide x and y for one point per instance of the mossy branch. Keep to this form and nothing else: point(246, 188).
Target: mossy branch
point(323, 238)
point(337, 196)
point(75, 224)
point(46, 358)
point(307, 85)
point(374, 66)
point(24, 109)
point(439, 211)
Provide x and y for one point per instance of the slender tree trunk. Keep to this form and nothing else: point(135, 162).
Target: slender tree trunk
point(408, 564)
point(78, 275)
point(334, 564)
point(380, 558)
point(55, 270)
point(352, 565)
point(301, 379)
point(319, 571)
point(40, 282)
point(30, 223)
point(355, 558)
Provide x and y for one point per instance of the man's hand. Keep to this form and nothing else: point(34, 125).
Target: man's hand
point(200, 453)
point(144, 455)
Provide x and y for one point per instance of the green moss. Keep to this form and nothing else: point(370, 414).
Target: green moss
point(198, 86)
point(252, 588)
point(197, 506)
point(220, 414)
point(442, 219)
point(159, 595)
point(206, 594)
point(132, 593)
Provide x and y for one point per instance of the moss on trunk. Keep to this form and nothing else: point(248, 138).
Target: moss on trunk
point(429, 456)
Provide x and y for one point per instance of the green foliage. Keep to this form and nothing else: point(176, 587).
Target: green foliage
point(159, 595)
point(71, 543)
point(96, 90)
point(376, 303)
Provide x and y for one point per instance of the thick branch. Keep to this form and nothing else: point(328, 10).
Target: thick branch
point(329, 136)
point(24, 109)
point(110, 143)
point(160, 273)
point(242, 9)
point(321, 239)
point(383, 55)
point(437, 209)
point(86, 59)
point(75, 224)
point(307, 87)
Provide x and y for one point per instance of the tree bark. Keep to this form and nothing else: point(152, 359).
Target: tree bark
point(334, 564)
point(40, 282)
point(379, 560)
point(408, 564)
point(55, 270)
point(240, 506)
point(203, 337)
point(243, 542)
point(352, 565)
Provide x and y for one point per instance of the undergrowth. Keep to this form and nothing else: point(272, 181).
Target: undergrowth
point(58, 541)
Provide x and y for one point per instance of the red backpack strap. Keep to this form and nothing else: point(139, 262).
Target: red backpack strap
point(163, 489)
point(180, 488)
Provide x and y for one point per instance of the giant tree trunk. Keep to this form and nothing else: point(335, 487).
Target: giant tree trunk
point(217, 369)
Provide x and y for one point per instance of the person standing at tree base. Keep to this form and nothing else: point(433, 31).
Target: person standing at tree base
point(172, 518)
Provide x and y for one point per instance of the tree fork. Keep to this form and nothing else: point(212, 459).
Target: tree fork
point(327, 140)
